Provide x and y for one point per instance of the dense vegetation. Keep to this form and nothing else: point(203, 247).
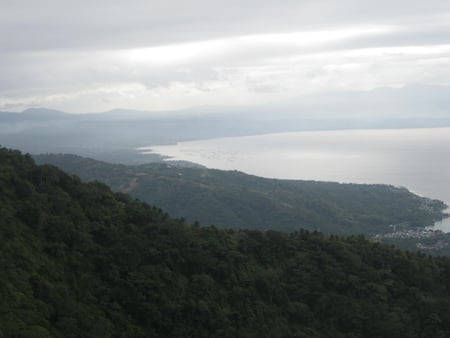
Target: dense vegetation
point(234, 199)
point(80, 261)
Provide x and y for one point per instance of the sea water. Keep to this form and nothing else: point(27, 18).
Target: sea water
point(418, 159)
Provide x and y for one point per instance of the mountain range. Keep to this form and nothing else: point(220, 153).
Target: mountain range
point(114, 136)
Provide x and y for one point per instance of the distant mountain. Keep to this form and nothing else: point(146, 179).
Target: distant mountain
point(43, 112)
point(80, 261)
point(114, 136)
point(33, 115)
point(234, 199)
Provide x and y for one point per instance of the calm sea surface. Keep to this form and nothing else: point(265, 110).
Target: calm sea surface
point(418, 159)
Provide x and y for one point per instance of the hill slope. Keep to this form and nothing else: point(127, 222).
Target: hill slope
point(234, 199)
point(80, 261)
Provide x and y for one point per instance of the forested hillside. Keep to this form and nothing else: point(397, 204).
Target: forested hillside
point(80, 261)
point(233, 199)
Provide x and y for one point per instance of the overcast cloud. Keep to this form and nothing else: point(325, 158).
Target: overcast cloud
point(85, 56)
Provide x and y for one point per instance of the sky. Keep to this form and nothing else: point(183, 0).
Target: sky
point(97, 55)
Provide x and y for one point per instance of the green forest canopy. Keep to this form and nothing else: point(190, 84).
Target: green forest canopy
point(234, 199)
point(81, 261)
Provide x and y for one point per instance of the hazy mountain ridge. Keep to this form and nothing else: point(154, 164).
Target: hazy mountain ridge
point(114, 136)
point(234, 199)
point(82, 261)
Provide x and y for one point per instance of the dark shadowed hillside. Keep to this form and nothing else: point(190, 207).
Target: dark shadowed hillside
point(81, 261)
point(233, 199)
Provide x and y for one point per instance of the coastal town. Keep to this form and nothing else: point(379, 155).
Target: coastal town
point(420, 238)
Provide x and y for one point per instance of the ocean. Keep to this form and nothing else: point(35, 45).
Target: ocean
point(418, 159)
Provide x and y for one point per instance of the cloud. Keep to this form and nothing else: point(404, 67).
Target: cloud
point(95, 55)
point(50, 24)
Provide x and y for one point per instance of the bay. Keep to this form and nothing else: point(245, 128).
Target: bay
point(418, 159)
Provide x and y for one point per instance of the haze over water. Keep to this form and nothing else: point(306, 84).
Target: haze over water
point(418, 159)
